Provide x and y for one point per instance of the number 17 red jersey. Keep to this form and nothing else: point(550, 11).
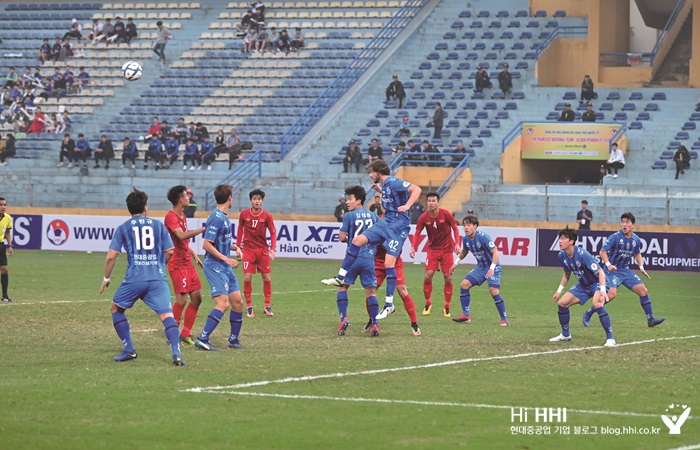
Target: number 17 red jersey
point(252, 230)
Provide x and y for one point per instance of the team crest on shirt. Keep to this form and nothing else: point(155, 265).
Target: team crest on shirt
point(406, 184)
point(247, 219)
point(578, 263)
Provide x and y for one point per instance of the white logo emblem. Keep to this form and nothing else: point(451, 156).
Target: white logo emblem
point(674, 423)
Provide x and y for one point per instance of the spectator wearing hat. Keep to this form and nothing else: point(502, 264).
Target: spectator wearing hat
point(482, 80)
point(567, 115)
point(353, 156)
point(470, 213)
point(587, 92)
point(75, 30)
point(340, 209)
point(191, 208)
point(395, 91)
point(505, 80)
point(588, 115)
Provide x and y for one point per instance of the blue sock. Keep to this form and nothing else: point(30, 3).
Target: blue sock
point(465, 298)
point(341, 298)
point(349, 260)
point(605, 322)
point(121, 326)
point(646, 305)
point(590, 311)
point(500, 306)
point(236, 319)
point(390, 284)
point(564, 318)
point(373, 307)
point(173, 335)
point(213, 320)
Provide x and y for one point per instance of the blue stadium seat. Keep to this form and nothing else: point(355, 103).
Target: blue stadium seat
point(607, 106)
point(553, 115)
point(469, 35)
point(569, 95)
point(427, 84)
point(490, 106)
point(460, 46)
point(522, 65)
point(433, 55)
point(494, 124)
point(479, 46)
point(673, 145)
point(559, 13)
point(476, 143)
point(498, 95)
point(694, 116)
point(498, 46)
point(444, 66)
point(451, 56)
point(472, 56)
point(560, 106)
point(364, 132)
point(418, 95)
point(522, 13)
point(514, 24)
point(470, 105)
point(453, 124)
point(693, 154)
point(651, 107)
point(456, 75)
point(530, 55)
point(510, 56)
point(667, 154)
point(416, 75)
point(635, 125)
point(373, 123)
point(473, 124)
point(411, 104)
point(382, 113)
point(449, 35)
point(467, 85)
point(457, 25)
point(483, 14)
point(502, 13)
point(551, 24)
point(384, 132)
point(688, 126)
point(515, 75)
point(518, 95)
point(491, 55)
point(533, 24)
point(643, 116)
point(440, 46)
point(629, 107)
point(658, 165)
point(613, 96)
point(481, 115)
point(409, 84)
point(478, 96)
point(447, 85)
point(465, 14)
point(636, 96)
point(436, 75)
point(465, 115)
point(517, 46)
point(476, 24)
point(438, 95)
point(682, 135)
point(543, 35)
point(485, 133)
point(659, 96)
point(696, 145)
point(464, 133)
point(502, 115)
point(620, 117)
point(507, 35)
point(526, 35)
point(540, 13)
point(495, 24)
point(510, 106)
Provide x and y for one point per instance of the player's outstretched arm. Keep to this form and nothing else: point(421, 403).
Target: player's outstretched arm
point(195, 257)
point(494, 260)
point(109, 266)
point(640, 263)
point(415, 192)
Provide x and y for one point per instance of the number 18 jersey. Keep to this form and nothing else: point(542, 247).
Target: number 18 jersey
point(145, 241)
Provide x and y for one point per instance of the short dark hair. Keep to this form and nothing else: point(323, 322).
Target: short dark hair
point(433, 194)
point(175, 193)
point(2, 198)
point(584, 202)
point(358, 192)
point(569, 233)
point(615, 144)
point(222, 193)
point(380, 166)
point(159, 23)
point(629, 216)
point(255, 192)
point(470, 219)
point(136, 202)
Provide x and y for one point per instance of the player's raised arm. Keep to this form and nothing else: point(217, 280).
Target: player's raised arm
point(415, 192)
point(182, 235)
point(562, 284)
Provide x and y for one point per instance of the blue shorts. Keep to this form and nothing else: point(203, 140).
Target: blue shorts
point(624, 277)
point(584, 293)
point(478, 275)
point(391, 234)
point(364, 267)
point(154, 293)
point(221, 279)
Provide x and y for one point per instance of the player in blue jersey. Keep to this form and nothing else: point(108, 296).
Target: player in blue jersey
point(591, 284)
point(487, 269)
point(355, 222)
point(218, 268)
point(148, 247)
point(392, 230)
point(616, 254)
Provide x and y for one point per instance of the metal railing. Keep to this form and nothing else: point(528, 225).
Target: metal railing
point(240, 178)
point(577, 31)
point(671, 19)
point(349, 76)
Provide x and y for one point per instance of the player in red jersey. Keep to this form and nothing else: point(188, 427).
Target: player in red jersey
point(443, 239)
point(253, 224)
point(380, 272)
point(182, 273)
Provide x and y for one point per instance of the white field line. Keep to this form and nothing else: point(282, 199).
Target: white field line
point(687, 447)
point(425, 366)
point(422, 403)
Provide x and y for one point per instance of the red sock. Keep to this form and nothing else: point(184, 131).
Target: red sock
point(267, 291)
point(409, 307)
point(428, 291)
point(190, 317)
point(177, 312)
point(448, 294)
point(248, 292)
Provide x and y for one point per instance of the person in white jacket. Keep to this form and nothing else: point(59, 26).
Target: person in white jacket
point(616, 161)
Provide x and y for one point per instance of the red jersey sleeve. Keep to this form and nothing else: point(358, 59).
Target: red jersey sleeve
point(171, 221)
point(239, 232)
point(419, 229)
point(273, 231)
point(453, 223)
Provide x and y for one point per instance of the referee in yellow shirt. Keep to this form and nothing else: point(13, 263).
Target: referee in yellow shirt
point(5, 249)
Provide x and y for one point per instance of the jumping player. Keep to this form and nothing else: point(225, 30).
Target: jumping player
point(397, 198)
point(591, 284)
point(253, 249)
point(487, 269)
point(440, 226)
point(616, 254)
point(183, 274)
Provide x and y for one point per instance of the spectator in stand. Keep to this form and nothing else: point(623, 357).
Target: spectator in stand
point(162, 37)
point(374, 151)
point(616, 161)
point(353, 157)
point(172, 150)
point(416, 211)
point(207, 151)
point(219, 143)
point(395, 91)
point(181, 130)
point(376, 207)
point(272, 38)
point(505, 80)
point(257, 6)
point(587, 92)
point(233, 147)
point(56, 48)
point(192, 131)
point(297, 40)
point(119, 32)
point(588, 115)
point(131, 31)
point(431, 153)
point(12, 78)
point(154, 152)
point(107, 32)
point(482, 80)
point(44, 51)
point(83, 78)
point(414, 156)
point(191, 208)
point(438, 120)
point(584, 217)
point(75, 30)
point(51, 124)
point(83, 149)
point(95, 32)
point(129, 153)
point(38, 78)
point(165, 131)
point(257, 19)
point(27, 79)
point(249, 40)
point(38, 122)
point(567, 115)
point(7, 150)
point(261, 40)
point(461, 151)
point(242, 27)
point(67, 151)
point(340, 209)
point(69, 76)
point(283, 43)
point(104, 151)
point(682, 160)
point(64, 122)
point(66, 50)
point(154, 129)
point(191, 154)
point(200, 132)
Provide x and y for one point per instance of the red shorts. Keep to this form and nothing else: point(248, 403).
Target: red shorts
point(185, 279)
point(439, 260)
point(380, 272)
point(256, 260)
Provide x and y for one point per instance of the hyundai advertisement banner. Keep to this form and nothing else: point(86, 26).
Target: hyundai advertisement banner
point(660, 251)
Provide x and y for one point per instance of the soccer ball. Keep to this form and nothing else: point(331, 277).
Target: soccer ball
point(132, 71)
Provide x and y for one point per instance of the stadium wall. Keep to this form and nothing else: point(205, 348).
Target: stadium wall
point(694, 80)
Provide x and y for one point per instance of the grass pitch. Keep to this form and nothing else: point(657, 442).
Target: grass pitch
point(299, 385)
